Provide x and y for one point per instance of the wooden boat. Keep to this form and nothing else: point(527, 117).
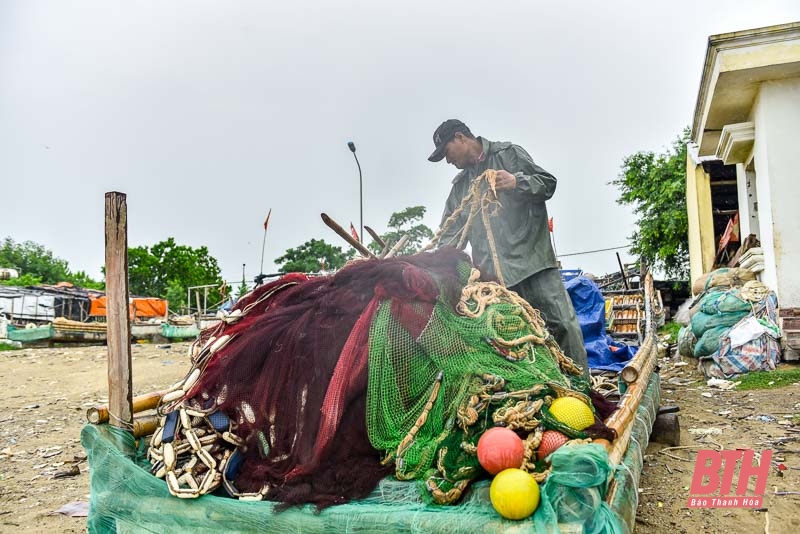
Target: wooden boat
point(126, 498)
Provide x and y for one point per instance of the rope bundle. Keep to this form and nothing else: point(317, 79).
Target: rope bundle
point(481, 199)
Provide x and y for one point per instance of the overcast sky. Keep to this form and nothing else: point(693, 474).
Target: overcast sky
point(208, 114)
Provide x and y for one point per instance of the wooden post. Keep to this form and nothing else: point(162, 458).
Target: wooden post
point(199, 315)
point(622, 272)
point(120, 384)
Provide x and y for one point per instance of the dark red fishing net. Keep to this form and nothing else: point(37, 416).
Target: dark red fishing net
point(294, 375)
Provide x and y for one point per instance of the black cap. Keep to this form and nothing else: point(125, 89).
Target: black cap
point(444, 134)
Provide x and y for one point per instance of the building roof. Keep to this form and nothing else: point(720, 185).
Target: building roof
point(736, 64)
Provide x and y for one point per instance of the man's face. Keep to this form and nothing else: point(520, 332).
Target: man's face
point(456, 152)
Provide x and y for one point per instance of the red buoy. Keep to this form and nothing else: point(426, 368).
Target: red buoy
point(551, 440)
point(500, 448)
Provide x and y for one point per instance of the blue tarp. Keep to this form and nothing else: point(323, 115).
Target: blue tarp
point(604, 353)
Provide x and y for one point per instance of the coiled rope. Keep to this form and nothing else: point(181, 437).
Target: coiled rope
point(482, 198)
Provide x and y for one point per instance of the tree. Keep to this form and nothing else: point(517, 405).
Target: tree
point(23, 281)
point(37, 265)
point(33, 259)
point(81, 279)
point(167, 269)
point(655, 185)
point(406, 222)
point(313, 256)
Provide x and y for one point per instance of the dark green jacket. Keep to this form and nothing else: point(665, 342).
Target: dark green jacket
point(520, 228)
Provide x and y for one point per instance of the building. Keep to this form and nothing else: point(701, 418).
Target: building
point(744, 164)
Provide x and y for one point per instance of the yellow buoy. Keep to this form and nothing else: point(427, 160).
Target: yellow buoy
point(514, 493)
point(572, 412)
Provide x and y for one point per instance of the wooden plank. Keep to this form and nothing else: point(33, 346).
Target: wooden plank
point(120, 386)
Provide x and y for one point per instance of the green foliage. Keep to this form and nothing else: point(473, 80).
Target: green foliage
point(33, 259)
point(168, 269)
point(769, 379)
point(81, 279)
point(23, 281)
point(176, 296)
point(242, 289)
point(309, 257)
point(4, 346)
point(670, 329)
point(655, 185)
point(37, 265)
point(406, 222)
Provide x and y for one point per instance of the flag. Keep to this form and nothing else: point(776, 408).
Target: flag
point(354, 233)
point(550, 223)
point(266, 221)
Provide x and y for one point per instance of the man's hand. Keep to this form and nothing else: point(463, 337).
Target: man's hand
point(505, 181)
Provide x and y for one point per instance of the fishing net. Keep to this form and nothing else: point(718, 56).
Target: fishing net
point(575, 492)
point(125, 497)
point(314, 389)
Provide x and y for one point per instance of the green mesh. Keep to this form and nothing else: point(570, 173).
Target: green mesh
point(575, 492)
point(126, 498)
point(417, 386)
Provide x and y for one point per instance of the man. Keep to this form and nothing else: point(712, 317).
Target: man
point(520, 227)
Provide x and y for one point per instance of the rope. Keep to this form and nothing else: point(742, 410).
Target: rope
point(479, 200)
point(123, 424)
point(606, 385)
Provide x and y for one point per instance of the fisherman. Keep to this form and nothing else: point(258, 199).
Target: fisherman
point(519, 230)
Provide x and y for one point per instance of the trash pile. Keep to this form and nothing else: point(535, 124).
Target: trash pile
point(733, 328)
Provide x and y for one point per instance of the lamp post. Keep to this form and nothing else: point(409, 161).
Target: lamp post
point(352, 146)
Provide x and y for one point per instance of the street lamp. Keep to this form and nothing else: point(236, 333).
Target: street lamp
point(352, 146)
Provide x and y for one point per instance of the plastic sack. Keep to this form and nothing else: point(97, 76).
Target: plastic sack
point(703, 322)
point(760, 353)
point(724, 277)
point(729, 301)
point(686, 341)
point(709, 342)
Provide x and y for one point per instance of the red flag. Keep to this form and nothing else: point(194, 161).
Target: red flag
point(266, 222)
point(550, 223)
point(354, 233)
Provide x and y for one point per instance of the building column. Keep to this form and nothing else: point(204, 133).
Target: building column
point(777, 161)
point(701, 222)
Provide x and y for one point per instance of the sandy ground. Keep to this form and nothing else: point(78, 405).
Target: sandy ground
point(46, 393)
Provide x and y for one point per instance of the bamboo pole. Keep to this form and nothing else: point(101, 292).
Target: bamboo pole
point(333, 225)
point(378, 239)
point(120, 386)
point(620, 421)
point(397, 246)
point(644, 363)
point(145, 425)
point(99, 414)
point(631, 372)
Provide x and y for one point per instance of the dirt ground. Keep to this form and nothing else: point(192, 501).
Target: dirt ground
point(46, 393)
point(757, 419)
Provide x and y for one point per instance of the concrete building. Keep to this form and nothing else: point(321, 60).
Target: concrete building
point(745, 159)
